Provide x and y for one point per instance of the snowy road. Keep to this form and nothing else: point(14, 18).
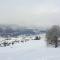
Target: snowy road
point(32, 50)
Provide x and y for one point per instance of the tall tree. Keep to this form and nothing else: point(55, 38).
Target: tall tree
point(53, 34)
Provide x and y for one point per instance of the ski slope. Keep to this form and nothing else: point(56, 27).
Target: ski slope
point(31, 50)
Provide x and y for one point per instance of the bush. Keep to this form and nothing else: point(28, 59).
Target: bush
point(5, 44)
point(37, 38)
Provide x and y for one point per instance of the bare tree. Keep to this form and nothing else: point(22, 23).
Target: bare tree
point(53, 34)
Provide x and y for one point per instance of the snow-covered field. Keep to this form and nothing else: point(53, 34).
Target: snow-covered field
point(30, 50)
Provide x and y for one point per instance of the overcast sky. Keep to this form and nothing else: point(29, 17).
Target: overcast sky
point(30, 12)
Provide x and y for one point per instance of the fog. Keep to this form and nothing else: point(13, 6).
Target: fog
point(30, 12)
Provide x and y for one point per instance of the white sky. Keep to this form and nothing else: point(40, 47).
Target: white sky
point(30, 12)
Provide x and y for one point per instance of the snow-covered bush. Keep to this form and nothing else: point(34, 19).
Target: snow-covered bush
point(5, 44)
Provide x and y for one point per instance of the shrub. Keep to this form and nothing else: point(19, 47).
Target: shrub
point(37, 38)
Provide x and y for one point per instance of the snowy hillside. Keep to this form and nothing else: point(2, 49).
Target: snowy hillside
point(15, 30)
point(30, 50)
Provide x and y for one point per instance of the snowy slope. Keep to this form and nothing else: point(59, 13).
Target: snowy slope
point(31, 50)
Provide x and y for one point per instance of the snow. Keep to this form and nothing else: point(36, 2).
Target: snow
point(30, 50)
